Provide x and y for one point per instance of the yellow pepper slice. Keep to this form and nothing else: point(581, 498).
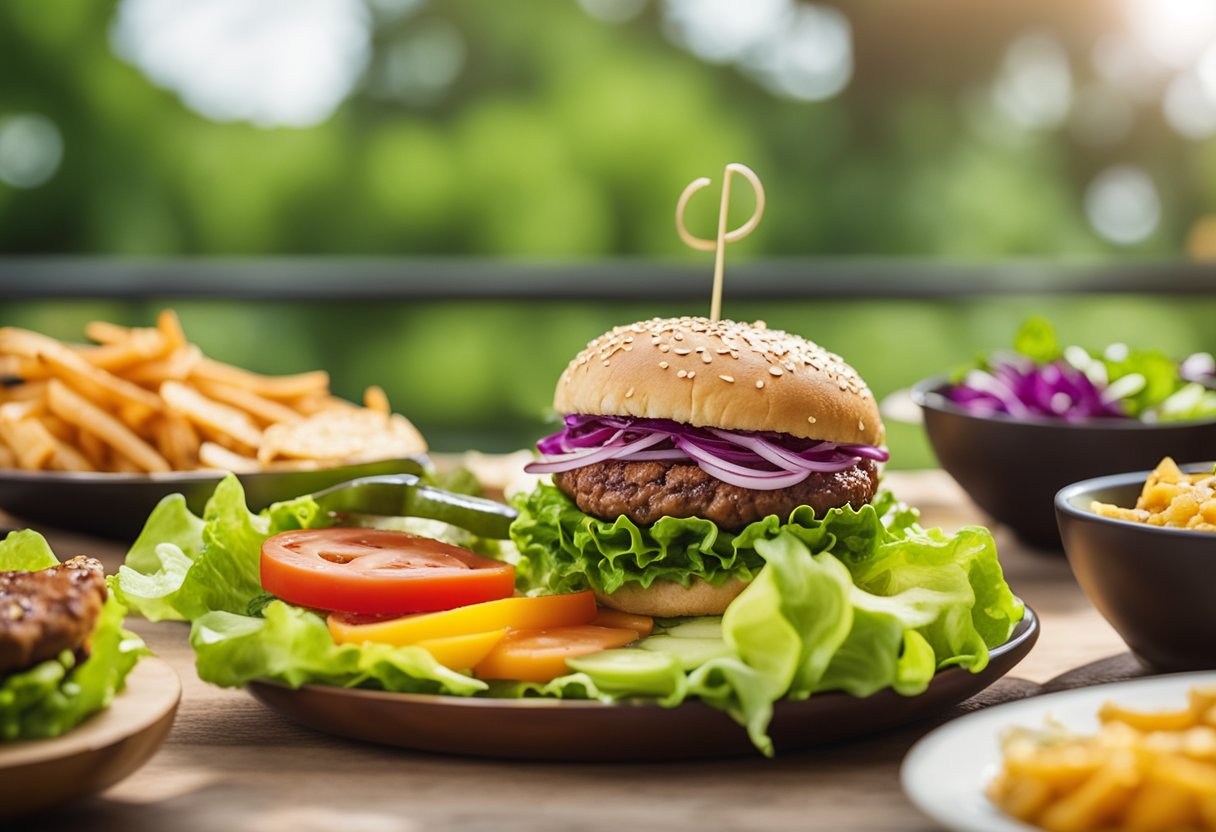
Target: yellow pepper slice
point(462, 652)
point(539, 613)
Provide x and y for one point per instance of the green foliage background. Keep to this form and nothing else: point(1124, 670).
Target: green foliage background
point(567, 137)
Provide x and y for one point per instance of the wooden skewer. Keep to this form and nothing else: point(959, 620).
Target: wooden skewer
point(718, 246)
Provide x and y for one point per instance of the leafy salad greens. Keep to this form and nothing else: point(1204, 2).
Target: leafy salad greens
point(1043, 378)
point(54, 696)
point(856, 601)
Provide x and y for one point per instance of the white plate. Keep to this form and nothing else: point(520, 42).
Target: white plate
point(946, 773)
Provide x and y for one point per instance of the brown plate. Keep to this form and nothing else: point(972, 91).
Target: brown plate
point(115, 506)
point(105, 748)
point(554, 729)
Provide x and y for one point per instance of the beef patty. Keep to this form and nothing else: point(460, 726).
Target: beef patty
point(646, 491)
point(46, 612)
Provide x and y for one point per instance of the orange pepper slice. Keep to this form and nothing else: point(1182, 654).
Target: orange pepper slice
point(540, 655)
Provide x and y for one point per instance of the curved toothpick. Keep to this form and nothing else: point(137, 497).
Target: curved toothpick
point(719, 245)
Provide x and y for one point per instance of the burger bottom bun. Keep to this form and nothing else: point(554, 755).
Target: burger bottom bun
point(667, 599)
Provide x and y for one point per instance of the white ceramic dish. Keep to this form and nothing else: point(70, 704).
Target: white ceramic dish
point(946, 773)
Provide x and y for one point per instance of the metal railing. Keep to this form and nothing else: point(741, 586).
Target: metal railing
point(322, 278)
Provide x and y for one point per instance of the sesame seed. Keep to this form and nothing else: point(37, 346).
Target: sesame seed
point(811, 419)
point(730, 379)
point(607, 362)
point(700, 350)
point(629, 393)
point(679, 336)
point(759, 384)
point(663, 365)
point(707, 358)
point(683, 351)
point(692, 373)
point(682, 374)
point(861, 425)
point(664, 347)
point(774, 371)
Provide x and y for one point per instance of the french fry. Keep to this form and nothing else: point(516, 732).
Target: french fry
point(313, 404)
point(104, 332)
point(177, 441)
point(1148, 721)
point(122, 465)
point(375, 399)
point(93, 449)
point(261, 408)
point(170, 329)
point(31, 442)
point(73, 408)
point(25, 391)
point(210, 414)
point(211, 455)
point(142, 345)
point(175, 367)
point(96, 384)
point(67, 458)
point(271, 387)
point(16, 411)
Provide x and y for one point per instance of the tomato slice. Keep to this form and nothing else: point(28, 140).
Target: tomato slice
point(540, 655)
point(543, 611)
point(643, 625)
point(378, 571)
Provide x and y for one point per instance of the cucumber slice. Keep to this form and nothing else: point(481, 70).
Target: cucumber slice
point(631, 671)
point(703, 627)
point(691, 653)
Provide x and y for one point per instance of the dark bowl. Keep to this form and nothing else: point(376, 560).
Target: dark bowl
point(1156, 586)
point(1012, 468)
point(115, 506)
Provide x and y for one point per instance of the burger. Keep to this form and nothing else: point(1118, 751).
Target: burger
point(684, 441)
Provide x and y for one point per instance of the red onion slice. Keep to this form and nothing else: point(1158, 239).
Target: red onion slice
point(748, 459)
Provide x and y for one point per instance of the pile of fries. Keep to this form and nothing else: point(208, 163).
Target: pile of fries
point(147, 400)
point(1143, 771)
point(1171, 498)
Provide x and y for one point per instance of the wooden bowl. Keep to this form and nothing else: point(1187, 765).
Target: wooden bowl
point(105, 748)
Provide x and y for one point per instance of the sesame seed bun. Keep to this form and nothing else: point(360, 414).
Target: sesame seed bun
point(721, 374)
point(667, 599)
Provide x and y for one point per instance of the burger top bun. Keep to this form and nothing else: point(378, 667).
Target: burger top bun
point(721, 374)
point(667, 599)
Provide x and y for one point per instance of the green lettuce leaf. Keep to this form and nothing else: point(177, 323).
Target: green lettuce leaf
point(856, 601)
point(562, 549)
point(292, 646)
point(182, 567)
point(56, 695)
point(1036, 339)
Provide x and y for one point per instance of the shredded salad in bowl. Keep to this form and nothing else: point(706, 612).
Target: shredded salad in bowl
point(1041, 378)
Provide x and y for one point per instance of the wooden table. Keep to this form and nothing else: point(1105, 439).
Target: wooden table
point(231, 764)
